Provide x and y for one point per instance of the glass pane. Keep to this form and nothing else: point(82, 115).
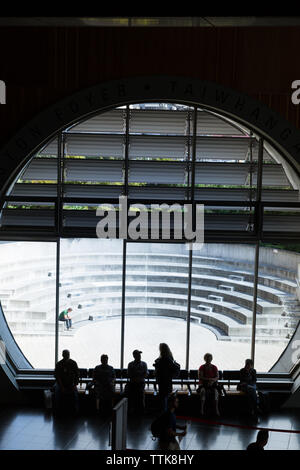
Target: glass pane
point(277, 347)
point(91, 284)
point(156, 300)
point(221, 304)
point(28, 297)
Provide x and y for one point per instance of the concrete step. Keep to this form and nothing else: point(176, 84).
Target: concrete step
point(215, 297)
point(235, 277)
point(225, 287)
point(17, 315)
point(204, 308)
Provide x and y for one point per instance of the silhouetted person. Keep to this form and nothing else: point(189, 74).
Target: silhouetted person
point(168, 434)
point(65, 317)
point(165, 371)
point(67, 378)
point(104, 379)
point(261, 440)
point(248, 384)
point(137, 371)
point(208, 382)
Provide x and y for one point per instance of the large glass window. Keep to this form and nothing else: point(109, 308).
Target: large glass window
point(277, 322)
point(222, 304)
point(156, 300)
point(28, 281)
point(91, 285)
point(153, 153)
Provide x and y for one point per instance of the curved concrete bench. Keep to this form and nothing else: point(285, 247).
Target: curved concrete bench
point(165, 280)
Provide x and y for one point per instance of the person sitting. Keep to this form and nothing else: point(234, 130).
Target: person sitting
point(67, 378)
point(208, 382)
point(167, 436)
point(248, 384)
point(165, 370)
point(65, 317)
point(137, 371)
point(261, 440)
point(104, 380)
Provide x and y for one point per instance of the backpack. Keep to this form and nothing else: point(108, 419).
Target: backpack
point(61, 316)
point(158, 425)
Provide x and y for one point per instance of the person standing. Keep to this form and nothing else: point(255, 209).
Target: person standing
point(67, 378)
point(137, 372)
point(104, 378)
point(165, 370)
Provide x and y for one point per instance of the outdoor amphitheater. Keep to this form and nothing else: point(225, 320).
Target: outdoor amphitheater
point(155, 301)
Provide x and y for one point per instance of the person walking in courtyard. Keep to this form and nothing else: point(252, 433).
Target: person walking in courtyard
point(165, 370)
point(137, 372)
point(65, 317)
point(208, 382)
point(67, 377)
point(104, 379)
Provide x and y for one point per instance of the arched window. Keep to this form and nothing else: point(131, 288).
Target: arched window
point(235, 296)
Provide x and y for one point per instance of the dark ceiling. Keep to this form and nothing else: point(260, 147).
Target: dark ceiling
point(181, 21)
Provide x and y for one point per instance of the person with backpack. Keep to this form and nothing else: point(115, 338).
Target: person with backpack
point(166, 369)
point(208, 382)
point(65, 317)
point(165, 427)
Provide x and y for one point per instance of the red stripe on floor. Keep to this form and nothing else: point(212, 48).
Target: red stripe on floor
point(241, 426)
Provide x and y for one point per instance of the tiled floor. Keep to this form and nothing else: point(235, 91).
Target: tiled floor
point(34, 429)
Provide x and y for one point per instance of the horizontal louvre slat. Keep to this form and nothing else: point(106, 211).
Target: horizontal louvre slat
point(156, 193)
point(50, 148)
point(157, 147)
point(222, 149)
point(158, 122)
point(41, 169)
point(96, 191)
point(209, 124)
point(93, 145)
point(39, 190)
point(93, 170)
point(273, 175)
point(277, 195)
point(226, 194)
point(156, 172)
point(281, 223)
point(111, 121)
point(221, 173)
point(27, 217)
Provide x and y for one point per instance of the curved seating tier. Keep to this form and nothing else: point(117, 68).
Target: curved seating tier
point(156, 284)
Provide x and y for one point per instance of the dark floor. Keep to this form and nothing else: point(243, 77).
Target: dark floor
point(35, 429)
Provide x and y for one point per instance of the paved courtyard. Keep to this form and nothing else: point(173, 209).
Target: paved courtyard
point(89, 341)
